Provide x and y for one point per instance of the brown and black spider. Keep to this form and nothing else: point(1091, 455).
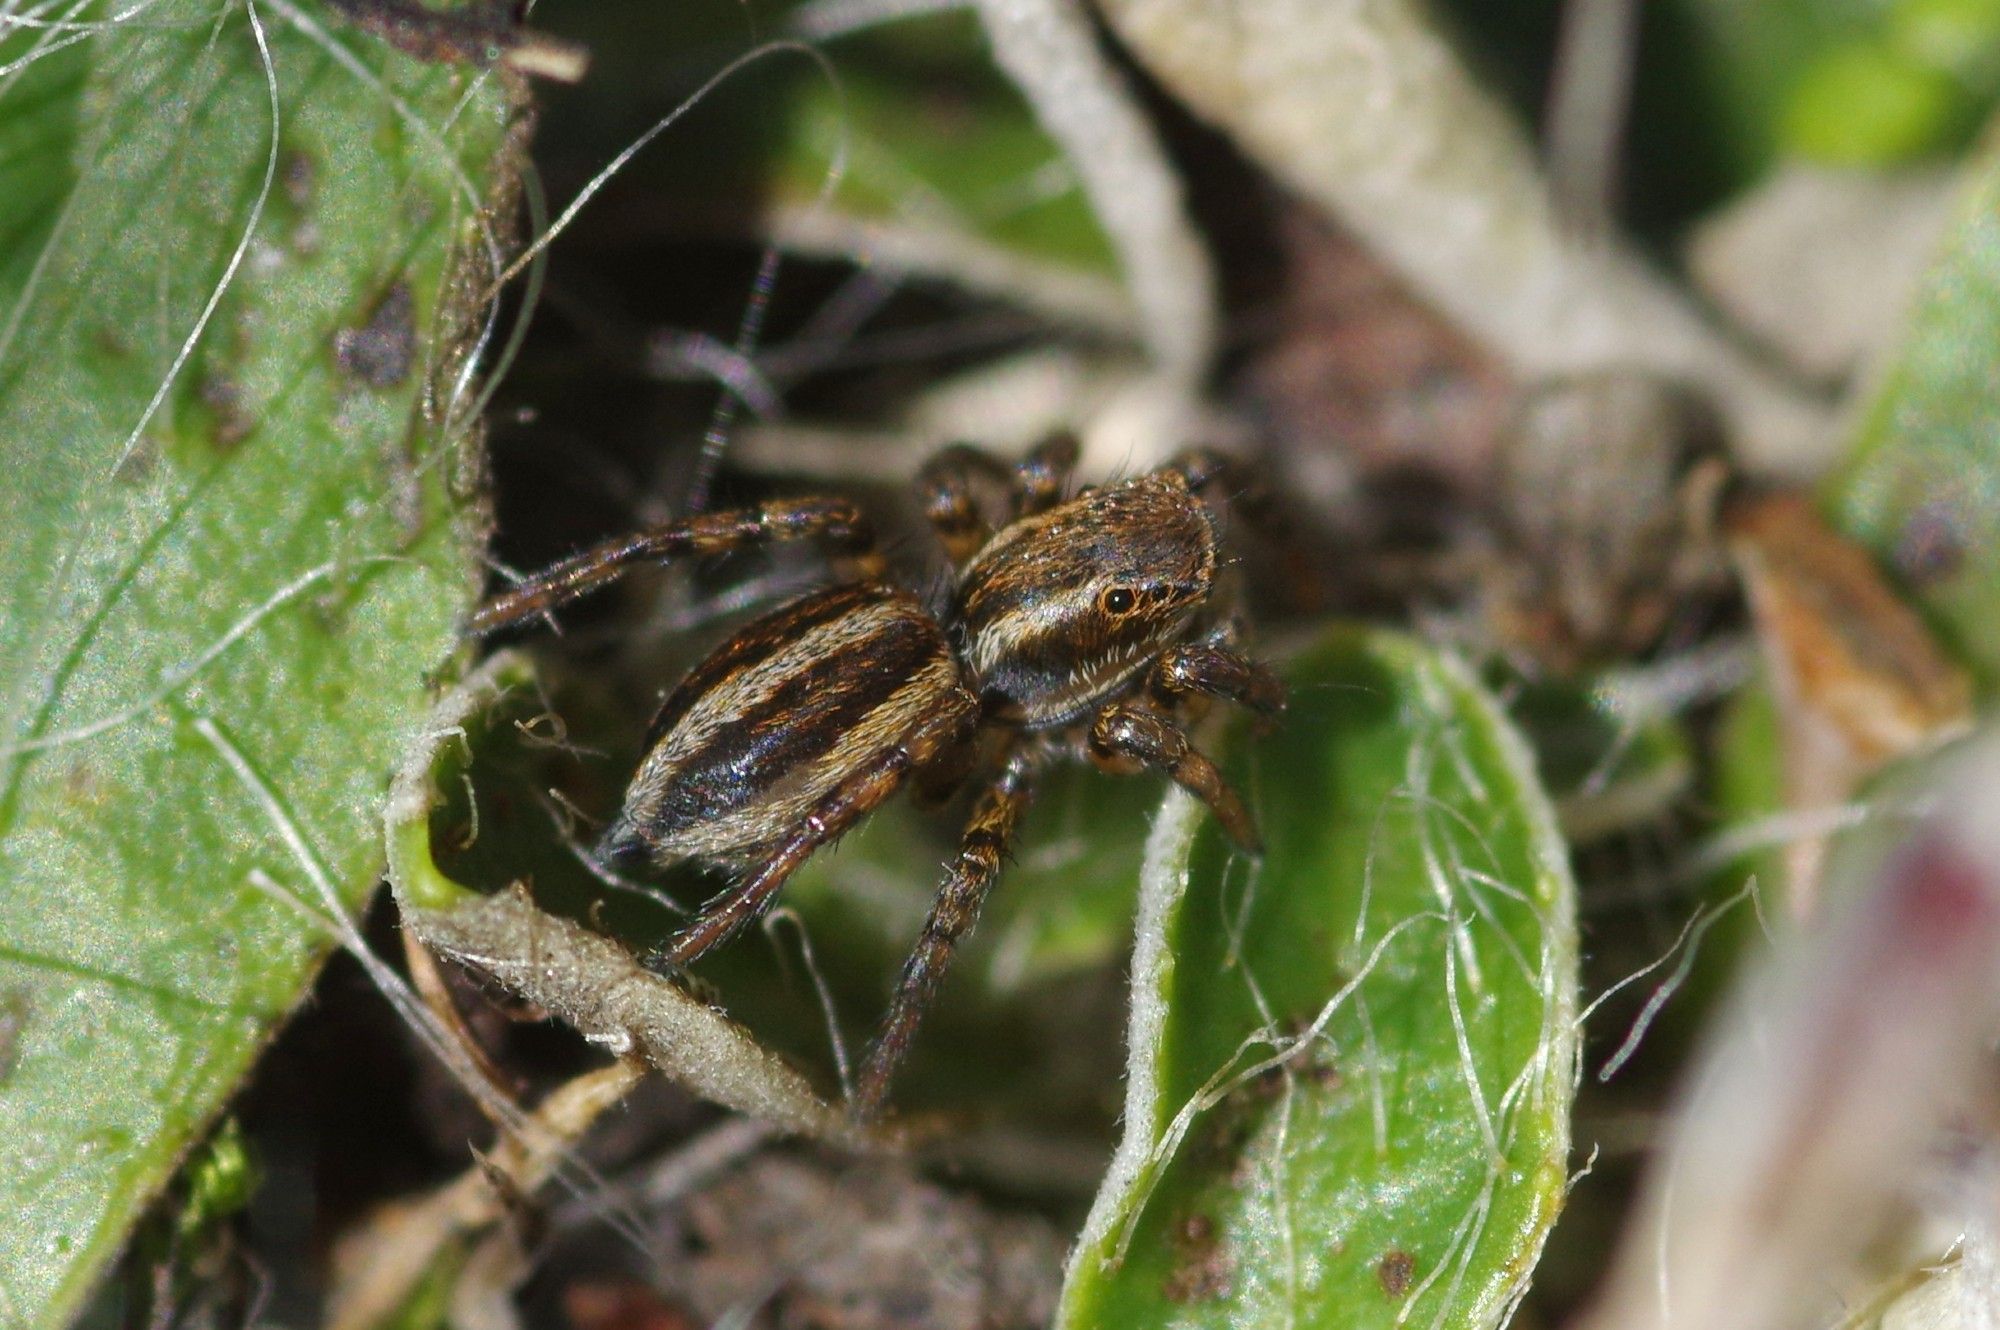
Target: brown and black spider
point(1079, 628)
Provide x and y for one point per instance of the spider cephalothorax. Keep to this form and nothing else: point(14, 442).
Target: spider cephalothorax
point(1081, 627)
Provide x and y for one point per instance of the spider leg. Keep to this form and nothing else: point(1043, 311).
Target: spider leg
point(1042, 477)
point(1206, 469)
point(988, 833)
point(1125, 739)
point(1241, 486)
point(1209, 669)
point(946, 486)
point(722, 917)
point(950, 486)
point(835, 520)
point(1237, 483)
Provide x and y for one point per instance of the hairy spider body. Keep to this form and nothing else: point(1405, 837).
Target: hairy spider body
point(1078, 628)
point(762, 733)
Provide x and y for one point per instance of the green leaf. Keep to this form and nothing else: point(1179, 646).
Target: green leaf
point(1850, 82)
point(1922, 478)
point(1750, 780)
point(1352, 1063)
point(1867, 104)
point(1607, 765)
point(899, 144)
point(1747, 790)
point(220, 1181)
point(234, 299)
point(1747, 59)
point(932, 138)
point(1959, 36)
point(1064, 904)
point(1004, 1039)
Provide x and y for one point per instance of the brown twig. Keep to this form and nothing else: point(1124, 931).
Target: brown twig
point(430, 985)
point(376, 1268)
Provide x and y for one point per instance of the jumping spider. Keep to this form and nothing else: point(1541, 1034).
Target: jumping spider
point(1080, 628)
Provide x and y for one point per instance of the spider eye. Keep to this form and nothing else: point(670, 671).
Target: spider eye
point(1119, 600)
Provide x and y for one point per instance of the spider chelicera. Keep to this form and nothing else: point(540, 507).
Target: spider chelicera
point(1079, 628)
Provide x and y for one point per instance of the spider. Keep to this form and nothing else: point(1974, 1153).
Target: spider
point(1080, 628)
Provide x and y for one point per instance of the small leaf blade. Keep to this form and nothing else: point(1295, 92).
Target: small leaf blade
point(1353, 1063)
point(1922, 473)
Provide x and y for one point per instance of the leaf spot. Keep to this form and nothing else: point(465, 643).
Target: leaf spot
point(15, 1009)
point(230, 423)
point(1930, 547)
point(1395, 1272)
point(380, 351)
point(1202, 1270)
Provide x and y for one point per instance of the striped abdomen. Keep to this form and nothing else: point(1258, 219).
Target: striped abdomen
point(765, 729)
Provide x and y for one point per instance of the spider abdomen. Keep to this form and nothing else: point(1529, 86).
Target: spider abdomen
point(781, 715)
